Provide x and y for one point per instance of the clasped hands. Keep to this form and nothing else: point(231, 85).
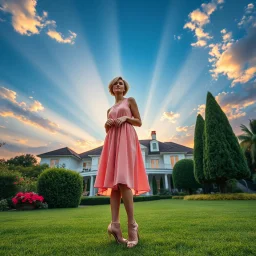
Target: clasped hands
point(116, 122)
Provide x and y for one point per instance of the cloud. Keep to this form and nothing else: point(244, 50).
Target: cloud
point(184, 128)
point(235, 60)
point(227, 36)
point(198, 19)
point(234, 104)
point(59, 38)
point(199, 43)
point(201, 34)
point(201, 109)
point(249, 17)
point(171, 116)
point(183, 139)
point(177, 37)
point(36, 106)
point(26, 20)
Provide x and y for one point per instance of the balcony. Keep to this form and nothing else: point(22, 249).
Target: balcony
point(158, 166)
point(90, 168)
point(94, 168)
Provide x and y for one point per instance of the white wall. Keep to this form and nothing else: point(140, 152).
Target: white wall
point(70, 162)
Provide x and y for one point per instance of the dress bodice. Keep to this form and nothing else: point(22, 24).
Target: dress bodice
point(120, 109)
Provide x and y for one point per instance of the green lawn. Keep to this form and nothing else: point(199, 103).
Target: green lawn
point(167, 227)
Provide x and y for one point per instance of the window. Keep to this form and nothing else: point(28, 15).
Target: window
point(154, 146)
point(54, 162)
point(174, 160)
point(154, 163)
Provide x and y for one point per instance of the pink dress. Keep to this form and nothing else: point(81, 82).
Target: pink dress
point(121, 159)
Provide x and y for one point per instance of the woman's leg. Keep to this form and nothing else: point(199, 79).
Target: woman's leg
point(128, 202)
point(115, 200)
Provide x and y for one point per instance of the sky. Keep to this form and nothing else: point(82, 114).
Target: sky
point(58, 57)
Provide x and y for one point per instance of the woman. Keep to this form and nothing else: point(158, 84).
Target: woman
point(121, 171)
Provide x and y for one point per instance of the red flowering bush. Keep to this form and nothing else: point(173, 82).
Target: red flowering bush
point(27, 197)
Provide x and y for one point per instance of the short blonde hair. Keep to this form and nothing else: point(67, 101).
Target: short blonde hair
point(111, 84)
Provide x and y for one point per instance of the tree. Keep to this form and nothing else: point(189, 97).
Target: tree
point(248, 143)
point(183, 175)
point(154, 185)
point(199, 150)
point(2, 144)
point(199, 171)
point(22, 160)
point(223, 157)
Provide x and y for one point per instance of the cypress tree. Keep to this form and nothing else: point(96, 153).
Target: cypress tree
point(199, 150)
point(223, 157)
point(154, 185)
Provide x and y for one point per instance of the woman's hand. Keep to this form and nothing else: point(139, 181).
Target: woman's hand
point(109, 123)
point(121, 120)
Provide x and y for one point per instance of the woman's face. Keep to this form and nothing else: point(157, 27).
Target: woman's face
point(118, 87)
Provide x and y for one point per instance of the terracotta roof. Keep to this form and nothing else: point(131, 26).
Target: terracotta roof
point(61, 152)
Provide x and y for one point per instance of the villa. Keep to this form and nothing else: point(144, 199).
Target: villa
point(159, 159)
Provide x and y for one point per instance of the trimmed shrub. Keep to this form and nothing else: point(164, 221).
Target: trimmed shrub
point(223, 156)
point(8, 181)
point(177, 197)
point(61, 188)
point(183, 175)
point(237, 196)
point(165, 196)
point(165, 192)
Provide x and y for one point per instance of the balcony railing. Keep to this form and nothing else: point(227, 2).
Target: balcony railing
point(158, 166)
point(90, 168)
point(147, 165)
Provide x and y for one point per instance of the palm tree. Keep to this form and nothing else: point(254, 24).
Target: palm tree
point(248, 139)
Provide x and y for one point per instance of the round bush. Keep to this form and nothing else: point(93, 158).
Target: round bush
point(183, 175)
point(61, 188)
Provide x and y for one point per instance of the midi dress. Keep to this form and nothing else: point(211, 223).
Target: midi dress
point(121, 158)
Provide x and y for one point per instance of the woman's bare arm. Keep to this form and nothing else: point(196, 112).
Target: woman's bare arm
point(106, 126)
point(136, 121)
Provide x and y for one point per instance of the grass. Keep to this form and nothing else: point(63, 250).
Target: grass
point(167, 227)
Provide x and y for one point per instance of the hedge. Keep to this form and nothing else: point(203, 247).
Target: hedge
point(236, 196)
point(98, 200)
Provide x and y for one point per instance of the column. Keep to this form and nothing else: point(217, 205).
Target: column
point(166, 181)
point(148, 193)
point(91, 187)
point(151, 185)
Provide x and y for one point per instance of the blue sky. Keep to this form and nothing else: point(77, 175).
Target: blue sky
point(57, 58)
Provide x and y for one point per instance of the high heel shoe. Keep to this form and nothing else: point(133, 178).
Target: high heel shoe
point(114, 229)
point(133, 234)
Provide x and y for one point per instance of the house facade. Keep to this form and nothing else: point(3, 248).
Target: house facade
point(159, 159)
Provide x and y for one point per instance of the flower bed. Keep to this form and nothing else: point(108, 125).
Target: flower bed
point(28, 201)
